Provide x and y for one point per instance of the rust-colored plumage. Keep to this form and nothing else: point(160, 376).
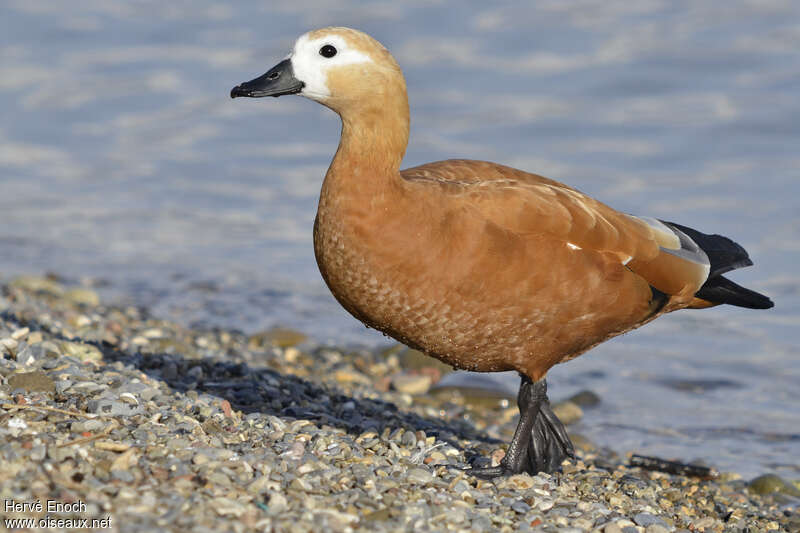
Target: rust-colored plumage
point(483, 266)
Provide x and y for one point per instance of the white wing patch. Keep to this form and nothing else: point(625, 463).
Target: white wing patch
point(675, 242)
point(664, 235)
point(671, 240)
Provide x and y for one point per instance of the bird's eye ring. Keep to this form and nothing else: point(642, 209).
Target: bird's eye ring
point(327, 51)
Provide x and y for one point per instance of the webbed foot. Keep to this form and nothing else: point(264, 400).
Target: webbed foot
point(540, 442)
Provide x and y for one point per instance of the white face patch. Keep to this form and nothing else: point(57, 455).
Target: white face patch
point(312, 68)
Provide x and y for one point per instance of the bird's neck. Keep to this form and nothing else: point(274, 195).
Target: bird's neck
point(372, 146)
point(362, 189)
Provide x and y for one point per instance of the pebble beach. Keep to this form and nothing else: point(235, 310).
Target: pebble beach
point(113, 419)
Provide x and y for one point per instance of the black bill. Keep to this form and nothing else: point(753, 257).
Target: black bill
point(279, 80)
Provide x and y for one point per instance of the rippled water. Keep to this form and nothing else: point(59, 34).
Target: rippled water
point(122, 158)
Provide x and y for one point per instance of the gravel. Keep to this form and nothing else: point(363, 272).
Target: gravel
point(151, 425)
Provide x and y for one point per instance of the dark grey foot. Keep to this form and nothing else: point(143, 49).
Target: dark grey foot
point(540, 441)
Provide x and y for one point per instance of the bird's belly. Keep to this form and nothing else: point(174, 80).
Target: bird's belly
point(525, 320)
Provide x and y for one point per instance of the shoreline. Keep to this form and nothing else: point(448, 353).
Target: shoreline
point(156, 425)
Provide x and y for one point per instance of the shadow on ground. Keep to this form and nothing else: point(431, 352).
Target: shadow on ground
point(254, 389)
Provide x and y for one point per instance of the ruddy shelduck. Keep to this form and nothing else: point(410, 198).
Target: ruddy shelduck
point(483, 266)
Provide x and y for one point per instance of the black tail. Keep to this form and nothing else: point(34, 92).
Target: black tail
point(724, 256)
point(721, 290)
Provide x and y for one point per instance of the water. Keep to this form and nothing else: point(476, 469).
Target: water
point(122, 158)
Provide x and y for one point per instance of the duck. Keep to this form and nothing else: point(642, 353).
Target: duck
point(485, 267)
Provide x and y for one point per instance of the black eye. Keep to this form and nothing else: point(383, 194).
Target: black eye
point(327, 51)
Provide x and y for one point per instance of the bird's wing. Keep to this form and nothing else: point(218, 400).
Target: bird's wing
point(529, 204)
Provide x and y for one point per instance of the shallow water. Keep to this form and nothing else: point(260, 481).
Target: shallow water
point(122, 158)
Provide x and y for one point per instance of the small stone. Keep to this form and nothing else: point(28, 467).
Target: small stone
point(769, 483)
point(419, 475)
point(646, 519)
point(567, 412)
point(437, 457)
point(656, 528)
point(86, 388)
point(61, 453)
point(38, 452)
point(416, 360)
point(380, 515)
point(105, 406)
point(545, 504)
point(520, 507)
point(63, 385)
point(411, 384)
point(291, 354)
point(277, 503)
point(82, 296)
point(153, 333)
point(112, 447)
point(583, 524)
point(196, 373)
point(227, 507)
point(81, 351)
point(300, 484)
point(409, 439)
point(456, 515)
point(26, 356)
point(614, 500)
point(349, 376)
point(9, 344)
point(296, 450)
point(128, 398)
point(585, 398)
point(32, 382)
point(177, 444)
point(81, 426)
point(17, 423)
point(280, 337)
point(703, 523)
point(20, 334)
point(260, 484)
point(200, 458)
point(45, 349)
point(139, 340)
point(219, 478)
point(123, 475)
point(497, 456)
point(38, 284)
point(518, 482)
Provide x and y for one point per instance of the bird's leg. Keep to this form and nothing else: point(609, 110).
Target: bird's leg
point(540, 441)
